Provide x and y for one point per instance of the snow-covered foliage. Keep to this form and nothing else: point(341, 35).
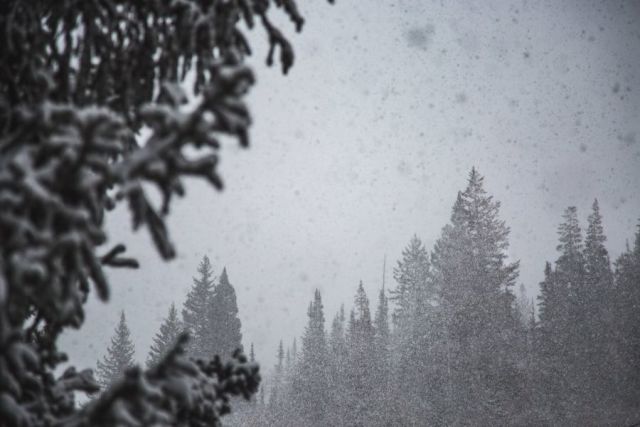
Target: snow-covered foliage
point(78, 81)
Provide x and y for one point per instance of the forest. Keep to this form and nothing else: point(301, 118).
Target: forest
point(448, 340)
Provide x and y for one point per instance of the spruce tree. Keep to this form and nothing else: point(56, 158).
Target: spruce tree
point(381, 374)
point(361, 365)
point(570, 279)
point(223, 323)
point(195, 311)
point(627, 323)
point(119, 357)
point(337, 360)
point(413, 285)
point(165, 339)
point(477, 308)
point(414, 291)
point(311, 384)
point(597, 318)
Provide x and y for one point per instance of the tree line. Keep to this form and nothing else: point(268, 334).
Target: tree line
point(209, 315)
point(451, 344)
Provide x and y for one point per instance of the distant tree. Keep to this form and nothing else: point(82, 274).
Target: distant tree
point(311, 383)
point(569, 276)
point(361, 362)
point(477, 304)
point(195, 311)
point(597, 344)
point(411, 296)
point(278, 396)
point(252, 355)
point(223, 322)
point(627, 324)
point(165, 339)
point(381, 354)
point(412, 277)
point(337, 360)
point(119, 357)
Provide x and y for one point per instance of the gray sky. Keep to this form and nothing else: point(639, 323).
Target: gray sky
point(370, 137)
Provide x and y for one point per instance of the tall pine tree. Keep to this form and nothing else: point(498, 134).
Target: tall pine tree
point(337, 360)
point(195, 312)
point(119, 355)
point(224, 326)
point(170, 329)
point(360, 366)
point(475, 281)
point(311, 384)
point(598, 345)
point(413, 293)
point(381, 374)
point(627, 323)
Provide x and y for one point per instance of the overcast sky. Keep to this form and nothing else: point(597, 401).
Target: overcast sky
point(368, 140)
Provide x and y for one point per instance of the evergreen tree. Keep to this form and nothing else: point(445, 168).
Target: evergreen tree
point(627, 324)
point(360, 366)
point(381, 373)
point(477, 304)
point(252, 355)
point(413, 293)
point(570, 279)
point(598, 346)
point(223, 322)
point(412, 277)
point(338, 358)
point(311, 384)
point(165, 339)
point(119, 355)
point(195, 312)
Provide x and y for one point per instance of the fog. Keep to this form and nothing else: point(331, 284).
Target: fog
point(370, 137)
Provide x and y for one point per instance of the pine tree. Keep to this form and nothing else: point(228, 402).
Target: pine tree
point(361, 363)
point(164, 340)
point(252, 355)
point(413, 293)
point(195, 312)
point(627, 323)
point(381, 373)
point(597, 319)
point(477, 308)
point(223, 322)
point(119, 357)
point(311, 384)
point(338, 358)
point(412, 277)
